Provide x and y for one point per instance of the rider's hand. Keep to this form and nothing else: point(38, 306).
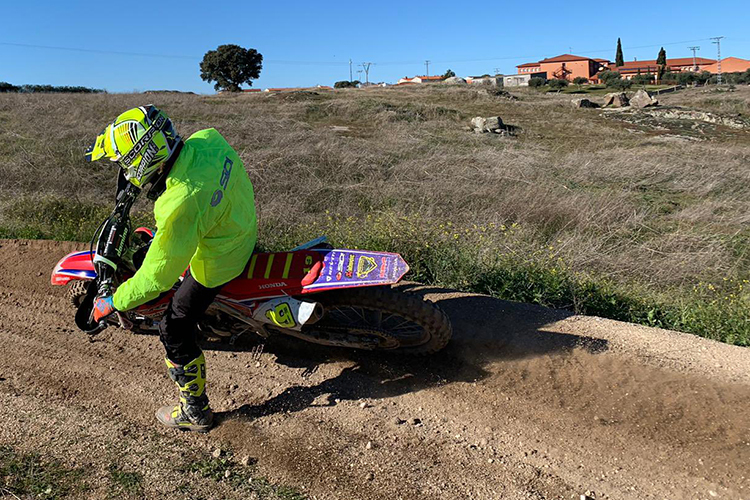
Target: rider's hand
point(103, 307)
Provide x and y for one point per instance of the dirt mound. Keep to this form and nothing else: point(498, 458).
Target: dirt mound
point(526, 402)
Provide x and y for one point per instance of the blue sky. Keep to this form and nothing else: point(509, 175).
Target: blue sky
point(310, 43)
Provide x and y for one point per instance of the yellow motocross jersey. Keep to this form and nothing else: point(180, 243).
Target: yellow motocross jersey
point(205, 218)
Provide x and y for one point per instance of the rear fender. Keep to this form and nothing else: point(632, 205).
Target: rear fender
point(356, 268)
point(74, 266)
point(306, 271)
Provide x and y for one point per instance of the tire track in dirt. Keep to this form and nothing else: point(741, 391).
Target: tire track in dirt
point(525, 403)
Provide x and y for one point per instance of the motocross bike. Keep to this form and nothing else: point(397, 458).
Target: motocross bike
point(316, 293)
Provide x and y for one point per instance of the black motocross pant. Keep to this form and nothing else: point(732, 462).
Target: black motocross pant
point(178, 329)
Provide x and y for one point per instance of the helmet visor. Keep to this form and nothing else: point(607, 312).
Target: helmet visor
point(101, 147)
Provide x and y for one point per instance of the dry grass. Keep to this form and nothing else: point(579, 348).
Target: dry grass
point(639, 204)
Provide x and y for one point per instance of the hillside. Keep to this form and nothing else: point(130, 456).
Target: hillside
point(631, 217)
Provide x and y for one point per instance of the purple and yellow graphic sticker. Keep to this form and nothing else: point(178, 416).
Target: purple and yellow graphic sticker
point(352, 268)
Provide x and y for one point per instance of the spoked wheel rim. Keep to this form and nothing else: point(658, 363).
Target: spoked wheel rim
point(367, 326)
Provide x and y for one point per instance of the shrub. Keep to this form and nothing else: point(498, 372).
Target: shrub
point(736, 78)
point(580, 80)
point(620, 84)
point(537, 82)
point(703, 77)
point(669, 78)
point(643, 79)
point(558, 84)
point(686, 78)
point(7, 87)
point(609, 76)
point(345, 84)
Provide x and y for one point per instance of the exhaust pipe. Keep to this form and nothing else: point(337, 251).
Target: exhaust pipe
point(289, 313)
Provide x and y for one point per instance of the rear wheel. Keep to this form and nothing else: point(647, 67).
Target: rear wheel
point(378, 318)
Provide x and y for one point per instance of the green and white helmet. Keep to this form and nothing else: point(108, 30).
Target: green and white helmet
point(140, 140)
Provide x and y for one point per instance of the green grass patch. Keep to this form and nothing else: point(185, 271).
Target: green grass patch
point(126, 483)
point(56, 218)
point(29, 475)
point(240, 478)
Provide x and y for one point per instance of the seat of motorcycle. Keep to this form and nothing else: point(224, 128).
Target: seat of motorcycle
point(268, 274)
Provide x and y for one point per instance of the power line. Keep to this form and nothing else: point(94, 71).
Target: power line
point(322, 63)
point(163, 56)
point(96, 51)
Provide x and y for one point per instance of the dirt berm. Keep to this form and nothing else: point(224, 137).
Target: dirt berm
point(526, 402)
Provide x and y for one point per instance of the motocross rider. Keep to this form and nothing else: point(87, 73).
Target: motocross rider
point(205, 216)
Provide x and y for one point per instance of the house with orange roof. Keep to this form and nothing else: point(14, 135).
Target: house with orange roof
point(729, 65)
point(564, 67)
point(296, 89)
point(676, 65)
point(420, 79)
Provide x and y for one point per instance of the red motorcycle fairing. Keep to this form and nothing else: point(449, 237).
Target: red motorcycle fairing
point(269, 275)
point(275, 274)
point(74, 266)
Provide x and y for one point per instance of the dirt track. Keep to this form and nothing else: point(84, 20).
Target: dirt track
point(525, 403)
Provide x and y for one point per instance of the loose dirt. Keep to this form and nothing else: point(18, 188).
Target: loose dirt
point(526, 402)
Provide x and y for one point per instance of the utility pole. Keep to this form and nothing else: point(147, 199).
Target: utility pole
point(497, 71)
point(427, 68)
point(366, 67)
point(695, 64)
point(717, 41)
point(350, 70)
point(359, 75)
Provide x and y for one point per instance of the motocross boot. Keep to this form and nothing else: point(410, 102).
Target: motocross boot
point(193, 412)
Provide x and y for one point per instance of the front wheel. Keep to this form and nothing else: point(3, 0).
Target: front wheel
point(378, 318)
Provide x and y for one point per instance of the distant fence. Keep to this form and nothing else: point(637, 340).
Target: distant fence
point(667, 90)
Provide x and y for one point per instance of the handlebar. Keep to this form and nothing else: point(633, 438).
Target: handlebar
point(111, 242)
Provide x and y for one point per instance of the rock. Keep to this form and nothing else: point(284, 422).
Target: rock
point(246, 460)
point(454, 80)
point(363, 405)
point(370, 476)
point(489, 81)
point(227, 473)
point(616, 100)
point(415, 421)
point(398, 421)
point(216, 453)
point(584, 103)
point(368, 446)
point(737, 122)
point(643, 99)
point(492, 124)
point(496, 92)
